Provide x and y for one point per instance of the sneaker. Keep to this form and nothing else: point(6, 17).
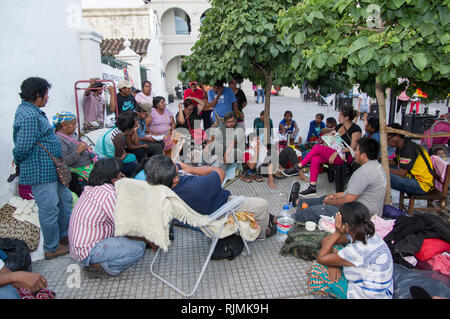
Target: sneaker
point(293, 171)
point(293, 194)
point(310, 191)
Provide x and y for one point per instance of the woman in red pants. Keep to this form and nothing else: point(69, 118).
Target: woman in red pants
point(320, 154)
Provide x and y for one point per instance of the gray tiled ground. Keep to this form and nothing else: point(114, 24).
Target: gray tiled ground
point(265, 274)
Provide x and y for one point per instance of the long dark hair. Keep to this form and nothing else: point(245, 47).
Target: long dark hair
point(357, 216)
point(348, 111)
point(104, 171)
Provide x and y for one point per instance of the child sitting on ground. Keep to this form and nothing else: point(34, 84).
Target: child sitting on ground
point(315, 128)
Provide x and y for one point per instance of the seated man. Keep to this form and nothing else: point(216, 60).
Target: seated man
point(91, 228)
point(201, 189)
point(409, 170)
point(367, 186)
point(226, 144)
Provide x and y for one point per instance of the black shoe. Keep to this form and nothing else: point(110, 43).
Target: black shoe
point(96, 272)
point(293, 171)
point(293, 194)
point(310, 191)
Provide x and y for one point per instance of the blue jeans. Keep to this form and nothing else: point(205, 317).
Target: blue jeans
point(260, 92)
point(115, 254)
point(406, 185)
point(314, 210)
point(9, 292)
point(54, 202)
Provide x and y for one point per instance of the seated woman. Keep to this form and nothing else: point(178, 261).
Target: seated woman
point(191, 115)
point(138, 142)
point(289, 126)
point(315, 128)
point(363, 269)
point(91, 227)
point(76, 154)
point(162, 122)
point(112, 143)
point(321, 154)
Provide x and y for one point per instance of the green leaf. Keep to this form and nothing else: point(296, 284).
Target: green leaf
point(295, 61)
point(427, 29)
point(361, 42)
point(420, 61)
point(239, 68)
point(319, 60)
point(299, 37)
point(274, 51)
point(365, 55)
point(309, 18)
point(250, 39)
point(397, 3)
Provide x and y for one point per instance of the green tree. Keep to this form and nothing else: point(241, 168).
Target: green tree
point(373, 43)
point(238, 39)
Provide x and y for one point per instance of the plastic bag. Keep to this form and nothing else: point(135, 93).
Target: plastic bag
point(326, 223)
point(434, 283)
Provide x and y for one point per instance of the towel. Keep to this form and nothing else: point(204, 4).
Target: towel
point(144, 210)
point(440, 166)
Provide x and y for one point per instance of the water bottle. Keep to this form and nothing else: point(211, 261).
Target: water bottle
point(285, 220)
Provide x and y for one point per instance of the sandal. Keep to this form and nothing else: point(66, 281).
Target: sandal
point(245, 177)
point(256, 177)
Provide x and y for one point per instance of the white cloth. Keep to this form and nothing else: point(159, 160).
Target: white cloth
point(371, 278)
point(144, 210)
point(27, 210)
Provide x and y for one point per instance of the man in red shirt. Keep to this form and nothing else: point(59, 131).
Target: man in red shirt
point(195, 91)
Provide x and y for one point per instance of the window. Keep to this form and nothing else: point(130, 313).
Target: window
point(182, 22)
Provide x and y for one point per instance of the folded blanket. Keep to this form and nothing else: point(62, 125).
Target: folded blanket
point(144, 210)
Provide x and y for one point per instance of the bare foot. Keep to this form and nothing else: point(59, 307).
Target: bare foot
point(302, 176)
point(272, 185)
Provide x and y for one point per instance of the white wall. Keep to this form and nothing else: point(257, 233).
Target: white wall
point(38, 38)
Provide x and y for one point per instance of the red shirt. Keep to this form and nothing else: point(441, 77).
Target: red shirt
point(197, 93)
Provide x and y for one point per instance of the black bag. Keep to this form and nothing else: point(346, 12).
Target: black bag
point(228, 248)
point(19, 258)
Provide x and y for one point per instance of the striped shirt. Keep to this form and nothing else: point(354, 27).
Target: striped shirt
point(31, 126)
point(92, 219)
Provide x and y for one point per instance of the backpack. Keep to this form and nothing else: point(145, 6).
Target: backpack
point(392, 212)
point(17, 252)
point(228, 248)
point(302, 243)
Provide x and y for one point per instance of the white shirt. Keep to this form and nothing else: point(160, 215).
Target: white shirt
point(371, 278)
point(1, 264)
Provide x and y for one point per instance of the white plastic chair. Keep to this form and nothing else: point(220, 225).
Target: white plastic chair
point(229, 208)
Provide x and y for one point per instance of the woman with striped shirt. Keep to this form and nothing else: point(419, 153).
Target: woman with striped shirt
point(91, 228)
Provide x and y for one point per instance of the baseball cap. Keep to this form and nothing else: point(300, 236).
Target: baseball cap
point(190, 83)
point(124, 84)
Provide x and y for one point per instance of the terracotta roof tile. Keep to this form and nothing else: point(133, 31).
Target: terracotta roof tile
point(112, 47)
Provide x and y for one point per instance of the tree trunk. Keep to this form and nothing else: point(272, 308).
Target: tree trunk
point(379, 90)
point(267, 90)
